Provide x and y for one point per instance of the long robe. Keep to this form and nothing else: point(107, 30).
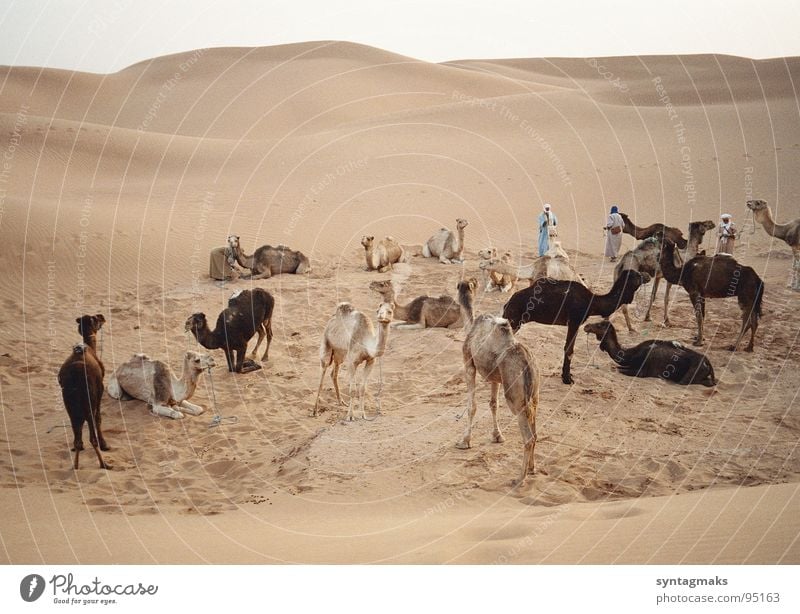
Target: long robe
point(545, 220)
point(613, 241)
point(727, 238)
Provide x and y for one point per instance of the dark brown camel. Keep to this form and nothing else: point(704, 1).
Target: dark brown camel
point(673, 234)
point(654, 358)
point(569, 304)
point(717, 277)
point(248, 313)
point(81, 380)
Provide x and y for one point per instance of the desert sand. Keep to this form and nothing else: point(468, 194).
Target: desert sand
point(114, 189)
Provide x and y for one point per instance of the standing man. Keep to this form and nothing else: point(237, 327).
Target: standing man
point(727, 235)
point(613, 227)
point(547, 229)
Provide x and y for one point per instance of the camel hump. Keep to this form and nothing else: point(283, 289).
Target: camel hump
point(344, 307)
point(389, 238)
point(235, 294)
point(79, 348)
point(677, 345)
point(140, 356)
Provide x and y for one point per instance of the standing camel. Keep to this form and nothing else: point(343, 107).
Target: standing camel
point(645, 257)
point(717, 277)
point(491, 350)
point(673, 234)
point(81, 381)
point(550, 301)
point(248, 312)
point(788, 232)
point(349, 338)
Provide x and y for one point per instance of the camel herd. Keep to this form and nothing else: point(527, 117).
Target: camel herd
point(556, 295)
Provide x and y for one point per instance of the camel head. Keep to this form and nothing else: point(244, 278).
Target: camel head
point(488, 264)
point(703, 226)
point(195, 322)
point(599, 329)
point(89, 325)
point(383, 287)
point(467, 285)
point(385, 313)
point(367, 241)
point(233, 241)
point(461, 223)
point(487, 253)
point(757, 205)
point(198, 361)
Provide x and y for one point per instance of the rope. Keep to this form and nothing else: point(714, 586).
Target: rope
point(56, 426)
point(380, 390)
point(218, 419)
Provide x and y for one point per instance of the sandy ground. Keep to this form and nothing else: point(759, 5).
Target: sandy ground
point(115, 187)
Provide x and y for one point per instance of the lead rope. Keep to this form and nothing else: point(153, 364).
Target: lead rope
point(378, 412)
point(218, 419)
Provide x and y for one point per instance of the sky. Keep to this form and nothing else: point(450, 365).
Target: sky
point(108, 35)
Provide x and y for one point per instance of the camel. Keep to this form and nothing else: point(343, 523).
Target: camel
point(446, 245)
point(81, 381)
point(717, 277)
point(668, 360)
point(152, 381)
point(382, 257)
point(267, 260)
point(248, 312)
point(673, 234)
point(424, 311)
point(554, 265)
point(551, 301)
point(491, 279)
point(644, 258)
point(788, 232)
point(491, 350)
point(349, 338)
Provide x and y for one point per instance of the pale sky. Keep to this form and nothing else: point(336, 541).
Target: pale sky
point(107, 35)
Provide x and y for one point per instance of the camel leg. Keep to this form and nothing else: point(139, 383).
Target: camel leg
point(497, 436)
point(631, 329)
point(647, 317)
point(240, 354)
point(666, 304)
point(77, 440)
point(472, 406)
point(94, 431)
point(167, 412)
point(261, 334)
point(324, 365)
point(363, 390)
point(268, 329)
point(352, 368)
point(569, 349)
point(527, 427)
point(191, 408)
point(335, 379)
point(407, 326)
point(699, 313)
point(444, 260)
point(228, 358)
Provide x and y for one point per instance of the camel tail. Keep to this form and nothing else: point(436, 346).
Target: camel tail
point(113, 388)
point(426, 251)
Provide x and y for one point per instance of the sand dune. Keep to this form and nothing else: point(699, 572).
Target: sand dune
point(115, 187)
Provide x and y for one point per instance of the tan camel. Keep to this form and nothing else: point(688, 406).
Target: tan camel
point(491, 279)
point(152, 381)
point(382, 256)
point(788, 232)
point(491, 350)
point(267, 260)
point(553, 265)
point(349, 338)
point(446, 245)
point(424, 311)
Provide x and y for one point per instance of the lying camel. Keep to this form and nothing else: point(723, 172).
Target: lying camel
point(553, 265)
point(492, 280)
point(668, 360)
point(423, 311)
point(382, 256)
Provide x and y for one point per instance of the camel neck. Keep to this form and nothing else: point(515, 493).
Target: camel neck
point(91, 341)
point(610, 345)
point(243, 259)
point(380, 345)
point(776, 230)
point(667, 265)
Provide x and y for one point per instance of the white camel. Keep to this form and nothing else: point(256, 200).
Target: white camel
point(152, 381)
point(446, 245)
point(349, 338)
point(553, 265)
